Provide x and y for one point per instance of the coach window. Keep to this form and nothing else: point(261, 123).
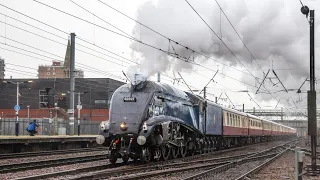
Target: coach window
point(227, 120)
point(232, 120)
point(238, 122)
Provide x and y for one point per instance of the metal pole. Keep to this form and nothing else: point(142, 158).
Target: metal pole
point(297, 149)
point(312, 106)
point(50, 122)
point(205, 109)
point(90, 106)
point(79, 114)
point(17, 112)
point(158, 76)
point(242, 107)
point(28, 112)
point(72, 83)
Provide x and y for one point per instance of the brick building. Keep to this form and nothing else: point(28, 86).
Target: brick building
point(59, 70)
point(96, 93)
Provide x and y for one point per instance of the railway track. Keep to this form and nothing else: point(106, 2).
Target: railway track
point(235, 169)
point(14, 167)
point(55, 152)
point(179, 162)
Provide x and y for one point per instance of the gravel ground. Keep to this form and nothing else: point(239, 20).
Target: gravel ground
point(284, 168)
point(87, 164)
point(37, 158)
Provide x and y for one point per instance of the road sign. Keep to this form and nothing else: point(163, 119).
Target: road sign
point(70, 111)
point(79, 107)
point(16, 107)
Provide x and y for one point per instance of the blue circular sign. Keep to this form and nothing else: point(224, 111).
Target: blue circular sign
point(17, 107)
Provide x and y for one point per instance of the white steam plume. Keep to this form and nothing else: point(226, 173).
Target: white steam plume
point(273, 30)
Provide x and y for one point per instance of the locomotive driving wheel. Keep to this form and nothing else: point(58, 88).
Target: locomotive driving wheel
point(156, 154)
point(183, 150)
point(165, 152)
point(145, 155)
point(175, 152)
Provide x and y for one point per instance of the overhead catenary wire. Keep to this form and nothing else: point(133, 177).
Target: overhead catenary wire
point(85, 67)
point(220, 39)
point(65, 45)
point(160, 34)
point(151, 46)
point(163, 51)
point(49, 52)
point(84, 20)
point(145, 44)
point(238, 35)
point(101, 19)
point(54, 28)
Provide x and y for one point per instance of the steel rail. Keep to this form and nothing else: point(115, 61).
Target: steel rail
point(158, 164)
point(55, 152)
point(261, 166)
point(241, 161)
point(14, 167)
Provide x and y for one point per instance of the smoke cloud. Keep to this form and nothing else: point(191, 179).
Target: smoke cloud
point(273, 30)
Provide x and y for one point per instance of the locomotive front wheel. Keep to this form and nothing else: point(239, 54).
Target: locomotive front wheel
point(113, 157)
point(145, 155)
point(125, 159)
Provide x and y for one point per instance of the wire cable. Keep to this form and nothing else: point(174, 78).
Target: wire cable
point(151, 46)
point(84, 20)
point(160, 34)
point(102, 19)
point(238, 35)
point(220, 39)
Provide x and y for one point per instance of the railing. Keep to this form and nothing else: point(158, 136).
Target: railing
point(48, 127)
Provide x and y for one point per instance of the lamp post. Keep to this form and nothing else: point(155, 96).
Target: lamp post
point(312, 106)
point(17, 110)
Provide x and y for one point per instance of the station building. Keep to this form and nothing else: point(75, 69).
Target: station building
point(45, 98)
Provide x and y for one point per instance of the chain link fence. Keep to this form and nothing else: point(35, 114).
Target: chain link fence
point(55, 126)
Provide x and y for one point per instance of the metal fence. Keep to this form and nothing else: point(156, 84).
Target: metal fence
point(48, 126)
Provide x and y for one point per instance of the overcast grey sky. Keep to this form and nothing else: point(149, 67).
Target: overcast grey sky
point(275, 32)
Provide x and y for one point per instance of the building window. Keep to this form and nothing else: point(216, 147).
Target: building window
point(48, 73)
point(43, 99)
point(53, 68)
point(53, 73)
point(48, 68)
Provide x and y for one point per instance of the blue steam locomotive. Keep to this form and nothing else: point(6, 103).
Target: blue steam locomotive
point(153, 121)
